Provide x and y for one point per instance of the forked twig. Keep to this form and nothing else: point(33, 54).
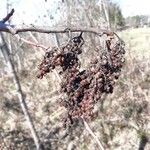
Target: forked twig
point(31, 43)
point(8, 16)
point(15, 30)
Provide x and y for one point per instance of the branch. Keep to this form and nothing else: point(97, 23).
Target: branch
point(15, 30)
point(8, 16)
point(31, 28)
point(12, 29)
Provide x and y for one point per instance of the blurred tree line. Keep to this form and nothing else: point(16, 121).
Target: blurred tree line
point(104, 13)
point(115, 15)
point(138, 21)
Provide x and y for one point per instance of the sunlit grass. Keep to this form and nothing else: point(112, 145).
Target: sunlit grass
point(137, 42)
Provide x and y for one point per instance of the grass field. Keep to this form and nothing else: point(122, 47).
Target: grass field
point(137, 42)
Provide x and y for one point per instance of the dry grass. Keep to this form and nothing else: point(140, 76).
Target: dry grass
point(123, 118)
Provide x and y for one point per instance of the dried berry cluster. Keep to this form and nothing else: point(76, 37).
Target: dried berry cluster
point(83, 88)
point(66, 57)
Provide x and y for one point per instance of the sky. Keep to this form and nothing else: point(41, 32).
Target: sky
point(134, 7)
point(29, 11)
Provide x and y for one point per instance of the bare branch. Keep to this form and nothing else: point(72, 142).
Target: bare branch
point(8, 16)
point(15, 30)
point(53, 30)
point(32, 43)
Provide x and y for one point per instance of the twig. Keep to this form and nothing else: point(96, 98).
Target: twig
point(15, 30)
point(39, 29)
point(33, 37)
point(31, 43)
point(8, 16)
point(93, 135)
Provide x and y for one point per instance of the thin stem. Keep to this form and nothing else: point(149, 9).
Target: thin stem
point(93, 135)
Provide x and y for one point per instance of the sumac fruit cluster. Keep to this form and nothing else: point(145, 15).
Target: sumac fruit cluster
point(83, 88)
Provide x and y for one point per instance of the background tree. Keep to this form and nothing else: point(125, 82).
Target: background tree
point(115, 16)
